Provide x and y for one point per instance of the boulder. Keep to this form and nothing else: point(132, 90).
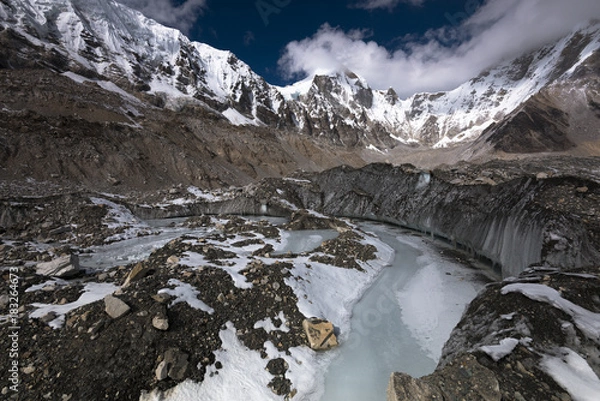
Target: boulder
point(138, 272)
point(162, 371)
point(4, 301)
point(174, 365)
point(114, 307)
point(320, 334)
point(63, 267)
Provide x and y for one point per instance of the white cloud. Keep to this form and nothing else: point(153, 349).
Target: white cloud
point(444, 58)
point(389, 4)
point(182, 16)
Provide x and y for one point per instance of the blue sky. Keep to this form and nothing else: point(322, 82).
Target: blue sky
point(258, 31)
point(410, 45)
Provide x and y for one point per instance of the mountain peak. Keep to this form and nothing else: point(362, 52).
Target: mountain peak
point(105, 39)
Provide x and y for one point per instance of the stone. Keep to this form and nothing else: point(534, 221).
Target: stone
point(172, 260)
point(64, 267)
point(162, 371)
point(320, 334)
point(405, 387)
point(541, 176)
point(29, 369)
point(59, 230)
point(160, 322)
point(48, 317)
point(162, 297)
point(582, 190)
point(486, 180)
point(176, 362)
point(138, 272)
point(114, 307)
point(4, 301)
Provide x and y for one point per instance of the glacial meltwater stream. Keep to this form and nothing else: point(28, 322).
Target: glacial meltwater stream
point(402, 321)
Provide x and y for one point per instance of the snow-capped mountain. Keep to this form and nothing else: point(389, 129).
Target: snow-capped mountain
point(105, 38)
point(108, 40)
point(345, 102)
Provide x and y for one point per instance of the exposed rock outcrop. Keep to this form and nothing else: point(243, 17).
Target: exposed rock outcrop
point(463, 379)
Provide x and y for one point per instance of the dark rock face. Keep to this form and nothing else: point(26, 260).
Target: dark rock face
point(536, 126)
point(514, 223)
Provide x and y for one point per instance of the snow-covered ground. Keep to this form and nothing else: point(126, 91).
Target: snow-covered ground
point(396, 314)
point(336, 293)
point(322, 290)
point(92, 292)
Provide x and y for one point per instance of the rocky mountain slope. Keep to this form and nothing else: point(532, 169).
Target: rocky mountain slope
point(91, 134)
point(108, 41)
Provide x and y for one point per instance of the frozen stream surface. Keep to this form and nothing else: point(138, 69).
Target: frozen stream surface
point(399, 323)
point(402, 321)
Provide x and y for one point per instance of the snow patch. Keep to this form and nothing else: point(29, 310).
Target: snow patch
point(268, 325)
point(193, 259)
point(586, 321)
point(497, 352)
point(119, 216)
point(574, 374)
point(237, 118)
point(243, 376)
point(92, 292)
point(184, 292)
